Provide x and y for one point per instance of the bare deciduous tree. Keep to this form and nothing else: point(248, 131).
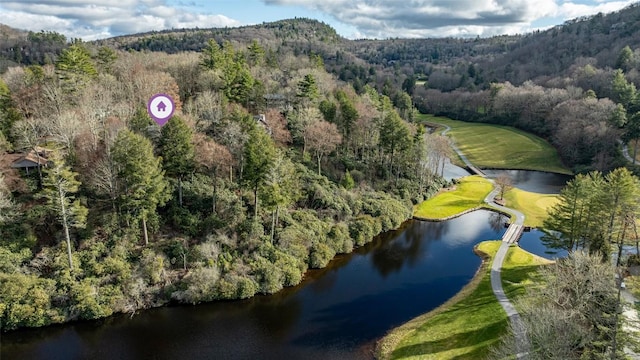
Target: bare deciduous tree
point(504, 183)
point(323, 137)
point(440, 152)
point(65, 128)
point(300, 123)
point(572, 314)
point(208, 108)
point(278, 127)
point(214, 157)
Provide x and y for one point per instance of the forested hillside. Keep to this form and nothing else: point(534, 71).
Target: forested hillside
point(270, 166)
point(571, 84)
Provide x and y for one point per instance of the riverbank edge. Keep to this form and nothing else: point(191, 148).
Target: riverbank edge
point(481, 207)
point(477, 201)
point(385, 346)
point(159, 303)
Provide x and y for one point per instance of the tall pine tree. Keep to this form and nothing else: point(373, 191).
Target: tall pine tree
point(177, 151)
point(59, 186)
point(142, 184)
point(260, 154)
point(75, 67)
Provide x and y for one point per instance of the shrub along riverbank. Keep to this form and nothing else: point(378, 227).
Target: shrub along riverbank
point(468, 325)
point(244, 266)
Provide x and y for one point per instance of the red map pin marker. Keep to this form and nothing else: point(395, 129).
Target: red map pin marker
point(161, 107)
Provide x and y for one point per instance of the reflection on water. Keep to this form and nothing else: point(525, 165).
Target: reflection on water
point(337, 313)
point(453, 171)
point(531, 242)
point(534, 181)
point(497, 221)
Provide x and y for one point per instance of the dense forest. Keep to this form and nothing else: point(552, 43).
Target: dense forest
point(270, 166)
point(289, 145)
point(574, 84)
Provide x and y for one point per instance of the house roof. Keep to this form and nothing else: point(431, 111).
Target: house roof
point(30, 159)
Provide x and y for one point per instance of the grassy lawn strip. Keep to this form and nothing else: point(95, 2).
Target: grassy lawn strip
point(519, 271)
point(534, 206)
point(501, 147)
point(468, 325)
point(469, 194)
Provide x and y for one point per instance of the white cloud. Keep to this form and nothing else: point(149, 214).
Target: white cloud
point(429, 18)
point(570, 10)
point(95, 19)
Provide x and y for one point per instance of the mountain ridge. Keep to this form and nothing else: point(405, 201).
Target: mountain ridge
point(541, 54)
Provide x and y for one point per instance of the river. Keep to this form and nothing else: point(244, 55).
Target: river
point(335, 313)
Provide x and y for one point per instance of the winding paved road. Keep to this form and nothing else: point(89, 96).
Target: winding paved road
point(522, 344)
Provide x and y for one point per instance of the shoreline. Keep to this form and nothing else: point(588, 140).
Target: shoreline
point(385, 345)
point(483, 207)
point(310, 273)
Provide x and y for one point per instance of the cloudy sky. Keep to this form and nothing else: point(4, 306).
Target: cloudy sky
point(94, 19)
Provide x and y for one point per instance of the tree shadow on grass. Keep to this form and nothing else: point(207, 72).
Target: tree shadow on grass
point(462, 203)
point(513, 279)
point(481, 297)
point(479, 303)
point(478, 341)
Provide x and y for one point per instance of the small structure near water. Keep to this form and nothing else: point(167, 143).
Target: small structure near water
point(513, 233)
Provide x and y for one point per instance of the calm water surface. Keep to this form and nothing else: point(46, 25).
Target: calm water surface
point(337, 313)
point(531, 242)
point(534, 181)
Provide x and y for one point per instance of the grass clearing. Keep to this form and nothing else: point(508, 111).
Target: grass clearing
point(468, 325)
point(501, 147)
point(519, 271)
point(469, 194)
point(534, 206)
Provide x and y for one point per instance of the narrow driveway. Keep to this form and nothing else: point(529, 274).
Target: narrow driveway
point(625, 152)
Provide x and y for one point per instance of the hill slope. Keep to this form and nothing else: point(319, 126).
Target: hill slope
point(596, 39)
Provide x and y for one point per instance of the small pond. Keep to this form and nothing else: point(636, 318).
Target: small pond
point(533, 181)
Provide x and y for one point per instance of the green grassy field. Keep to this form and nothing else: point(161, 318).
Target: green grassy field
point(469, 194)
point(501, 147)
point(534, 206)
point(467, 326)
